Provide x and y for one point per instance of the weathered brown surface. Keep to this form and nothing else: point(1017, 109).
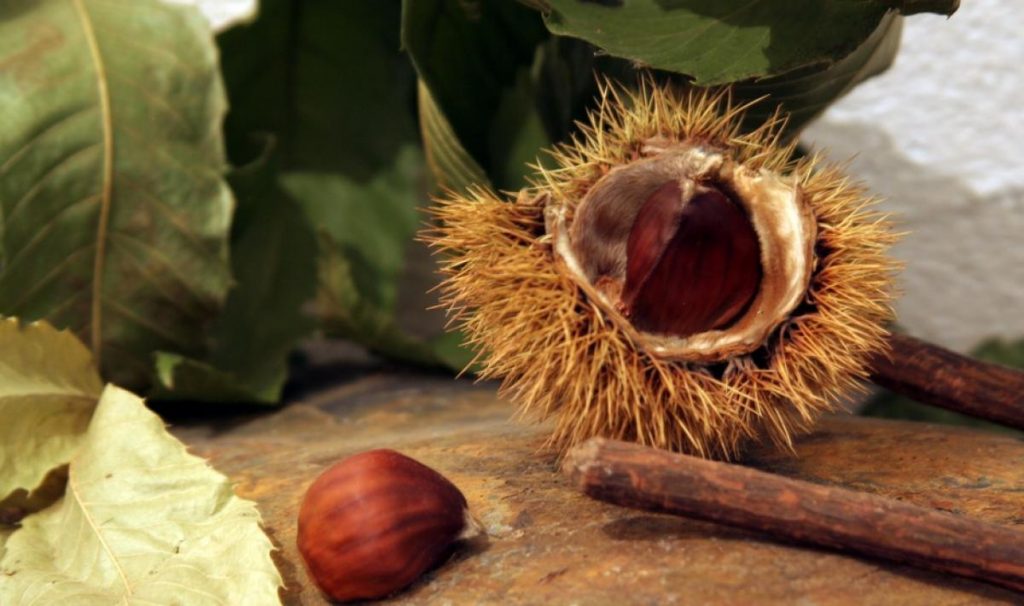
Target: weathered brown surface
point(934, 375)
point(551, 545)
point(848, 520)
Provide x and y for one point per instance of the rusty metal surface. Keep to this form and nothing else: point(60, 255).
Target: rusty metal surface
point(551, 545)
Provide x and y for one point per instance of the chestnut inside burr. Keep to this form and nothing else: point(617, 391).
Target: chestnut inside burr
point(692, 265)
point(695, 257)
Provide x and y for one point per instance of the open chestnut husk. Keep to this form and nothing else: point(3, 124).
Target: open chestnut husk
point(671, 278)
point(371, 524)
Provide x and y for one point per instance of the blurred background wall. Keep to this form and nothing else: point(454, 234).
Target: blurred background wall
point(941, 137)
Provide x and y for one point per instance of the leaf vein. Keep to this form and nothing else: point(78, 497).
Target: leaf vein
point(47, 228)
point(164, 54)
point(32, 191)
point(161, 286)
point(165, 262)
point(174, 218)
point(153, 327)
point(45, 280)
point(73, 489)
point(154, 101)
point(192, 172)
point(38, 136)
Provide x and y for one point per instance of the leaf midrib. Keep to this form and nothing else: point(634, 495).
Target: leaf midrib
point(77, 496)
point(103, 94)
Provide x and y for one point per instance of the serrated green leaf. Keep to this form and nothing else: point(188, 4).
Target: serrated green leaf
point(559, 88)
point(274, 262)
point(115, 211)
point(340, 126)
point(366, 229)
point(347, 314)
point(802, 94)
point(48, 390)
point(141, 520)
point(913, 7)
point(518, 138)
point(181, 378)
point(805, 93)
point(717, 42)
point(450, 164)
point(566, 84)
point(475, 58)
point(373, 222)
point(327, 80)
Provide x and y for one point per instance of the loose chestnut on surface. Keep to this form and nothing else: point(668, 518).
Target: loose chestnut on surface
point(374, 522)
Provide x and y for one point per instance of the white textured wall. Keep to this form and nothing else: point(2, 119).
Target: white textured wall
point(222, 13)
point(941, 137)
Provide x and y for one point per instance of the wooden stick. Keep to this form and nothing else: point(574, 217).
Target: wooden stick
point(933, 375)
point(646, 478)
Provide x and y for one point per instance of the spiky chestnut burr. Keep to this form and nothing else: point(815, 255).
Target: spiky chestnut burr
point(672, 281)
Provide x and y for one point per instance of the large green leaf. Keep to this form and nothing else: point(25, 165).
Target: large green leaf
point(566, 84)
point(142, 521)
point(48, 389)
point(723, 41)
point(115, 212)
point(806, 92)
point(450, 164)
point(567, 67)
point(502, 104)
point(328, 82)
point(326, 79)
point(476, 59)
point(366, 230)
point(274, 261)
point(372, 221)
point(347, 314)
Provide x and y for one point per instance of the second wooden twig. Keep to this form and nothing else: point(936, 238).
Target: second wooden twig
point(933, 375)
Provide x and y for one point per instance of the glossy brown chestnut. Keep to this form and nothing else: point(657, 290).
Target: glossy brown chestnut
point(692, 264)
point(374, 522)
